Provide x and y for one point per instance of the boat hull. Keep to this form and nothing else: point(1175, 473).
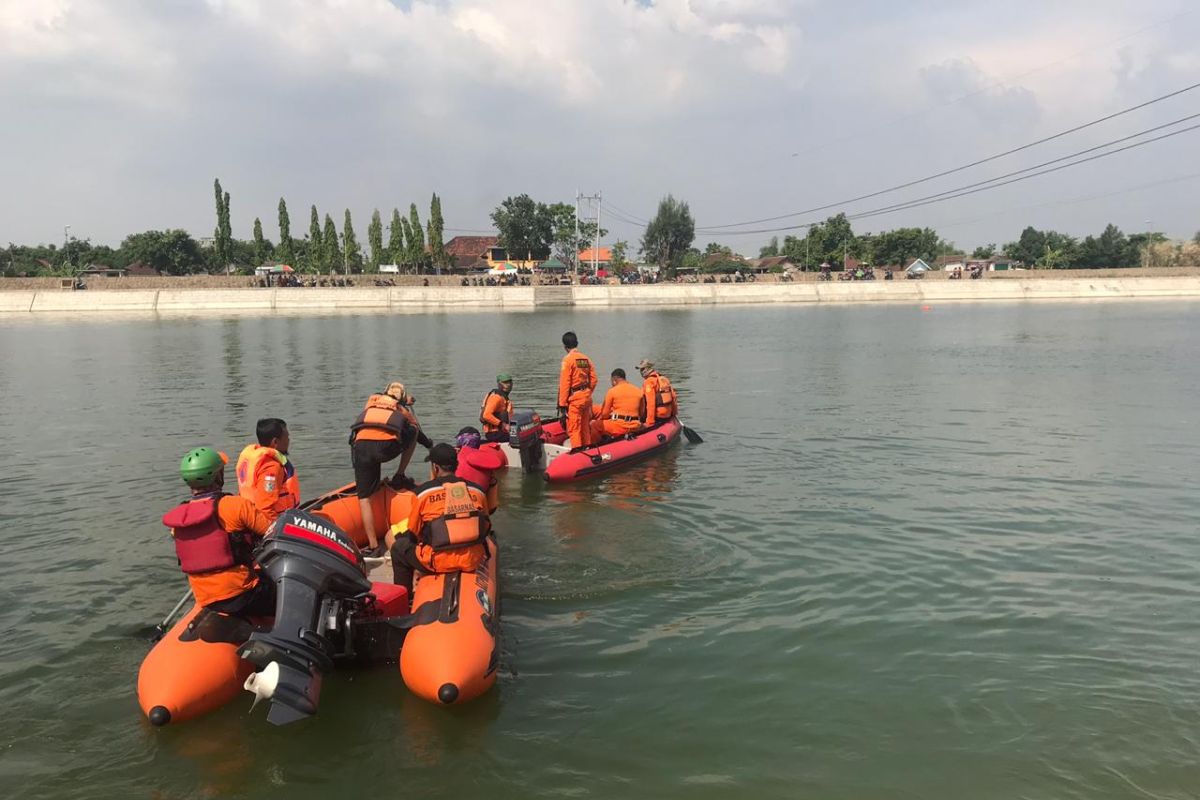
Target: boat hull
point(593, 461)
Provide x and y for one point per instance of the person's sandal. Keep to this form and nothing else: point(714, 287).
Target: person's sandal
point(378, 551)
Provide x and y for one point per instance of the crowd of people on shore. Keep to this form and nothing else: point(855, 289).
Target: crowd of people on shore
point(216, 533)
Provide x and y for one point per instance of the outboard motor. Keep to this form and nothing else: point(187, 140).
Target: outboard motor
point(525, 436)
point(320, 578)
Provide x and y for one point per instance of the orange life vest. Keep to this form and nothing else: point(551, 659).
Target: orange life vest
point(502, 412)
point(251, 461)
point(201, 544)
point(382, 413)
point(461, 522)
point(660, 392)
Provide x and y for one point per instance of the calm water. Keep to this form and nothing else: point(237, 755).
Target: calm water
point(930, 555)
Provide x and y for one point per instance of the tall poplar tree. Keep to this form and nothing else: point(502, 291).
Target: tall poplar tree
point(396, 238)
point(286, 253)
point(375, 242)
point(408, 239)
point(416, 242)
point(316, 244)
point(333, 253)
point(350, 245)
point(437, 248)
point(222, 235)
point(260, 244)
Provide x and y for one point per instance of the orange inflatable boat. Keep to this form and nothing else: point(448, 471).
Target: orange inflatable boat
point(451, 651)
point(330, 610)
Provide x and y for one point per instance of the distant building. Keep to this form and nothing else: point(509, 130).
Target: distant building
point(470, 252)
point(773, 264)
point(602, 255)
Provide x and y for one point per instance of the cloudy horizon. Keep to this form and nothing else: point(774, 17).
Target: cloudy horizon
point(121, 113)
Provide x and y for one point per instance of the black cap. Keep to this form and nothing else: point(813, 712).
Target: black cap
point(444, 455)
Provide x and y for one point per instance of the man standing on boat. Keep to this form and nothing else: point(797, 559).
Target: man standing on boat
point(496, 410)
point(576, 382)
point(447, 525)
point(387, 428)
point(265, 475)
point(661, 401)
point(214, 535)
point(623, 410)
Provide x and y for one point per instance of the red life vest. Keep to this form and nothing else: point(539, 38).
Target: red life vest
point(461, 523)
point(201, 544)
point(382, 412)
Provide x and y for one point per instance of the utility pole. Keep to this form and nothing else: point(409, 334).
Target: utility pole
point(578, 199)
point(66, 243)
point(596, 245)
point(575, 242)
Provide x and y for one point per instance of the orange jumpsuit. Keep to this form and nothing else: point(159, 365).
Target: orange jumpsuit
point(576, 381)
point(495, 413)
point(621, 413)
point(263, 479)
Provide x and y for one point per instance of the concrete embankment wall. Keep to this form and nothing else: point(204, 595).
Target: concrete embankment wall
point(438, 298)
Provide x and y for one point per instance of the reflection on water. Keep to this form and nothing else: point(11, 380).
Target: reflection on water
point(918, 555)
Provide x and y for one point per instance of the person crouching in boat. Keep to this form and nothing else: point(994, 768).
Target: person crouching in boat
point(386, 429)
point(661, 400)
point(478, 465)
point(623, 410)
point(447, 525)
point(215, 534)
point(496, 410)
point(265, 474)
point(576, 382)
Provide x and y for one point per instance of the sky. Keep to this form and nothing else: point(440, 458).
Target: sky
point(118, 114)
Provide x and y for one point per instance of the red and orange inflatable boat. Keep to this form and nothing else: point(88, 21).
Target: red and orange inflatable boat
point(589, 462)
point(445, 639)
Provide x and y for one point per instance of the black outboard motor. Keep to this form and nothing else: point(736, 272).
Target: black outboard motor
point(525, 436)
point(320, 578)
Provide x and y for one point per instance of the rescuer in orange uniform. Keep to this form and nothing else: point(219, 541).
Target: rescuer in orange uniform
point(447, 525)
point(661, 401)
point(214, 535)
point(496, 410)
point(386, 428)
point(265, 474)
point(623, 410)
point(576, 382)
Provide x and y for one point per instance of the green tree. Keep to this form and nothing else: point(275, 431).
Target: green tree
point(316, 243)
point(333, 253)
point(770, 249)
point(416, 239)
point(620, 257)
point(669, 234)
point(1029, 248)
point(407, 257)
point(375, 241)
point(222, 235)
point(565, 245)
point(526, 227)
point(437, 248)
point(262, 248)
point(987, 251)
point(903, 245)
point(715, 248)
point(396, 248)
point(286, 251)
point(350, 246)
point(173, 252)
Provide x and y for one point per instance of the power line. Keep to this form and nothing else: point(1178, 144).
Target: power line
point(1073, 200)
point(1059, 135)
point(991, 184)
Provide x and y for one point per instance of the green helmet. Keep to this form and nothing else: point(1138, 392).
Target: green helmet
point(200, 467)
